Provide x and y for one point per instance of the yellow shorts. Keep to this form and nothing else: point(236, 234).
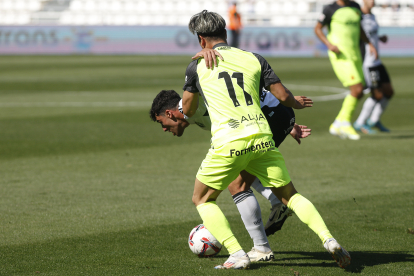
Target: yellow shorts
point(256, 154)
point(348, 70)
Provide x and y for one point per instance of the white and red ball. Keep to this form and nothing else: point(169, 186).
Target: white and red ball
point(203, 243)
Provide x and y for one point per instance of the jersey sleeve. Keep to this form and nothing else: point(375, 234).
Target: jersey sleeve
point(365, 24)
point(326, 16)
point(191, 78)
point(268, 76)
point(355, 5)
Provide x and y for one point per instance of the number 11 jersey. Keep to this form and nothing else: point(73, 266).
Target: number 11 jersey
point(231, 92)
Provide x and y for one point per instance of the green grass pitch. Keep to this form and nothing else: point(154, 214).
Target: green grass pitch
point(90, 186)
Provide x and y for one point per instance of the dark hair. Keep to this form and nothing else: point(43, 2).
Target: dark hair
point(166, 99)
point(208, 24)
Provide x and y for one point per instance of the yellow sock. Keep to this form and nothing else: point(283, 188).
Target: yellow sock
point(308, 214)
point(348, 107)
point(215, 221)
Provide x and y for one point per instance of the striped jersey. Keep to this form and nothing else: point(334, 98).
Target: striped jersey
point(370, 26)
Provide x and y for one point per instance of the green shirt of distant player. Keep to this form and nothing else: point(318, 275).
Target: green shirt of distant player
point(343, 24)
point(231, 93)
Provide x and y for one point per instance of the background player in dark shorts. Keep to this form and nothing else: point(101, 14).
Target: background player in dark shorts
point(376, 76)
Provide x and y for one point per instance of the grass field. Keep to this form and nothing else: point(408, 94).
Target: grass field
point(90, 186)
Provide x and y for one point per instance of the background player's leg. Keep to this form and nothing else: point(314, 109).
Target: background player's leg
point(380, 107)
point(361, 123)
point(350, 102)
point(343, 120)
point(366, 111)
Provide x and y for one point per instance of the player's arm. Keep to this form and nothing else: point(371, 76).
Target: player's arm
point(273, 84)
point(321, 35)
point(190, 95)
point(365, 39)
point(325, 20)
point(286, 97)
point(190, 103)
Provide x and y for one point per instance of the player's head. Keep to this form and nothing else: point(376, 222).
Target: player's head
point(164, 110)
point(210, 27)
point(369, 3)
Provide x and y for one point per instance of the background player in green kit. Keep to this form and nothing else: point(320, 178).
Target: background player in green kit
point(241, 137)
point(343, 19)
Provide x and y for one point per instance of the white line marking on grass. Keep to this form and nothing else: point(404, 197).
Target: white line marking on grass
point(339, 93)
point(77, 104)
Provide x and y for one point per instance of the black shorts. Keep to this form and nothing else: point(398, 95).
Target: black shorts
point(377, 75)
point(281, 121)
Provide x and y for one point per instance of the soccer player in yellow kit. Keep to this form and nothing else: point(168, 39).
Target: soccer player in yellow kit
point(241, 137)
point(343, 19)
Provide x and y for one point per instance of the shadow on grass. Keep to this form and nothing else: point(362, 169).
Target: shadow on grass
point(158, 250)
point(360, 260)
point(397, 134)
point(374, 137)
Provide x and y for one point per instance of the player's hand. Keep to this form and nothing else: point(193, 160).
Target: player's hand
point(334, 49)
point(210, 57)
point(383, 38)
point(373, 51)
point(299, 132)
point(302, 102)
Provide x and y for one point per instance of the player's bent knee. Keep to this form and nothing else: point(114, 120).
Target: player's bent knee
point(377, 94)
point(357, 90)
point(387, 90)
point(238, 185)
point(202, 193)
point(196, 200)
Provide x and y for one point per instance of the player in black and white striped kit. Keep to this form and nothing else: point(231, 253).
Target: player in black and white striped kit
point(376, 77)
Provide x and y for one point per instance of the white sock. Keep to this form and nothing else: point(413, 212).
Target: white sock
point(366, 111)
point(239, 253)
point(378, 110)
point(266, 192)
point(251, 215)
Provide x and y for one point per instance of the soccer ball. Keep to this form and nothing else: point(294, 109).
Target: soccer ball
point(203, 243)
